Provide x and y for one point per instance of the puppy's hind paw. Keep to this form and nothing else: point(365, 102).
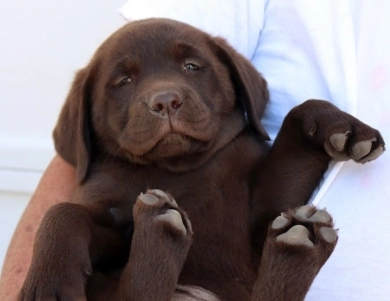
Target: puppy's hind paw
point(298, 243)
point(306, 227)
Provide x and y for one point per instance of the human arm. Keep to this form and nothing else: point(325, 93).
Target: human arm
point(56, 185)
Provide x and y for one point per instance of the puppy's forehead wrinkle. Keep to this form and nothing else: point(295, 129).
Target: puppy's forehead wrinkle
point(183, 51)
point(135, 43)
point(125, 65)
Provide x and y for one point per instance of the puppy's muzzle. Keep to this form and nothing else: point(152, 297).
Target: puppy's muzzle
point(165, 103)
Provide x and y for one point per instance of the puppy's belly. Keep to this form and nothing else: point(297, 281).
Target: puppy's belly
point(193, 293)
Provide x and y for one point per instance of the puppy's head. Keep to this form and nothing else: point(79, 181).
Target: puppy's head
point(159, 92)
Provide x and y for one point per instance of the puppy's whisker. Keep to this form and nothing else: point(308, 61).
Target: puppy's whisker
point(116, 153)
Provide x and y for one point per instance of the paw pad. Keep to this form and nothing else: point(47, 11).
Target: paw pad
point(297, 235)
point(373, 155)
point(329, 234)
point(321, 216)
point(305, 226)
point(173, 218)
point(280, 222)
point(305, 212)
point(149, 199)
point(338, 140)
point(362, 149)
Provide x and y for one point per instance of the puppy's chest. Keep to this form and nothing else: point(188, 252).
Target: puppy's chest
point(216, 194)
point(200, 193)
point(214, 191)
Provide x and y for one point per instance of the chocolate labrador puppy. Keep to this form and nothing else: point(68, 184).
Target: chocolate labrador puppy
point(180, 194)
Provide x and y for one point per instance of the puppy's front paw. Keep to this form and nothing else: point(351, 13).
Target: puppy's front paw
point(354, 141)
point(161, 239)
point(47, 282)
point(61, 262)
point(343, 136)
point(159, 209)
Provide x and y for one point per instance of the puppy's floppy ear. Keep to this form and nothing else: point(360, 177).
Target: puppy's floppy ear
point(250, 86)
point(72, 134)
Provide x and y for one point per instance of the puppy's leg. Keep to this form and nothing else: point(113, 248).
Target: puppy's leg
point(161, 239)
point(298, 244)
point(66, 245)
point(312, 134)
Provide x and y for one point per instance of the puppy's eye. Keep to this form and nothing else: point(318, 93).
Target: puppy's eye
point(191, 67)
point(124, 81)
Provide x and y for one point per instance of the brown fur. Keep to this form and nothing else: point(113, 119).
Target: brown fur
point(187, 122)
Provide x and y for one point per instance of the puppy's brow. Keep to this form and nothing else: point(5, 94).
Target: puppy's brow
point(125, 65)
point(183, 50)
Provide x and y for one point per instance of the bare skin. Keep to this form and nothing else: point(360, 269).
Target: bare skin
point(56, 185)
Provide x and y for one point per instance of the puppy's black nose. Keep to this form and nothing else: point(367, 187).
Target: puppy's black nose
point(164, 102)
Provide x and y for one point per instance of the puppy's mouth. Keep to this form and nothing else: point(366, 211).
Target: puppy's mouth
point(155, 139)
point(174, 145)
point(177, 148)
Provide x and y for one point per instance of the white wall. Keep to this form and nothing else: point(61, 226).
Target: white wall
point(42, 44)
